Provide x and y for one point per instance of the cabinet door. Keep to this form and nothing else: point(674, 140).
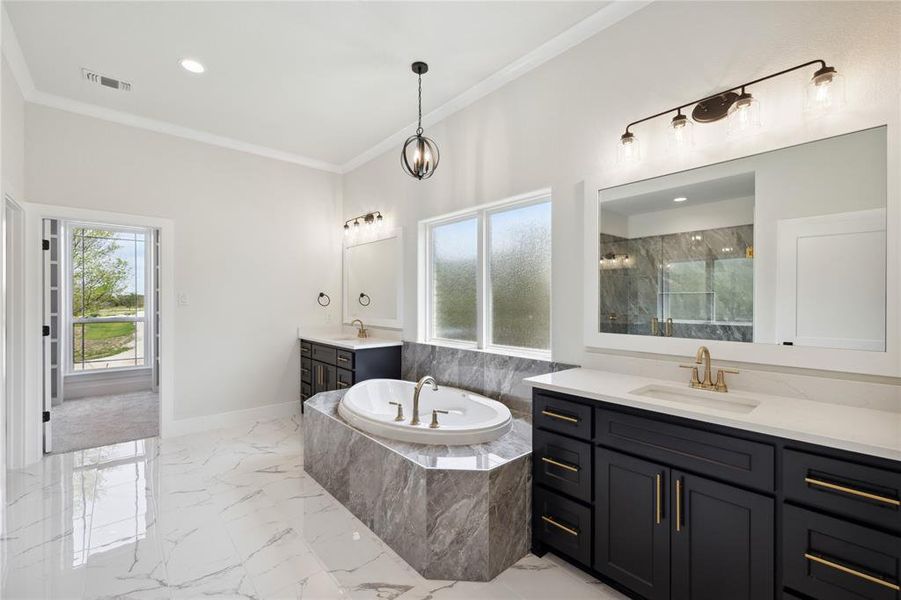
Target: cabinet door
point(632, 523)
point(324, 378)
point(722, 541)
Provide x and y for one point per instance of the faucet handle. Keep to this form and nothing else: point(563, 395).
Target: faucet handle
point(434, 424)
point(695, 377)
point(400, 411)
point(721, 379)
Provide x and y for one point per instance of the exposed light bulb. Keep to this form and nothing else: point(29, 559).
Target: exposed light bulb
point(680, 199)
point(629, 151)
point(680, 134)
point(744, 115)
point(825, 92)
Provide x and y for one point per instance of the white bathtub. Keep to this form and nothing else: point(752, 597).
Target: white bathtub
point(473, 419)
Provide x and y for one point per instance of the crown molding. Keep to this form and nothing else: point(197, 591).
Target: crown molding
point(132, 120)
point(578, 33)
point(609, 15)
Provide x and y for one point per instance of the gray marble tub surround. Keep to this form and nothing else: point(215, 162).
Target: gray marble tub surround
point(496, 376)
point(451, 512)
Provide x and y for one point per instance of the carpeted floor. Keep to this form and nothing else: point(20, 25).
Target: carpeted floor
point(103, 420)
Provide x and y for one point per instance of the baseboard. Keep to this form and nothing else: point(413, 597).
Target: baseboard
point(229, 419)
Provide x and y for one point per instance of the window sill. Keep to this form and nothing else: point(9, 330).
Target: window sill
point(496, 350)
point(117, 370)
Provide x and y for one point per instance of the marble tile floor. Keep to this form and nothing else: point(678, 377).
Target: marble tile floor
point(223, 514)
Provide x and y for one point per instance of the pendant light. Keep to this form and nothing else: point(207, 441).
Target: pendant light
point(419, 157)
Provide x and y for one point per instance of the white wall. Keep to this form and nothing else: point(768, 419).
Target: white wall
point(12, 131)
point(256, 240)
point(560, 123)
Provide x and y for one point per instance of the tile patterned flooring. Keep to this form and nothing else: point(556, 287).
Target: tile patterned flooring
point(222, 514)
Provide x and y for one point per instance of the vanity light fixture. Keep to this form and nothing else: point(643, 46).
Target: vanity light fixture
point(824, 91)
point(373, 218)
point(419, 156)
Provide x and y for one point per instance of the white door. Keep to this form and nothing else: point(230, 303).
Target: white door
point(831, 281)
point(47, 366)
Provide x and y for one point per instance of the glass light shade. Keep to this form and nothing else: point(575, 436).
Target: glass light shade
point(681, 133)
point(629, 151)
point(419, 156)
point(825, 92)
point(743, 117)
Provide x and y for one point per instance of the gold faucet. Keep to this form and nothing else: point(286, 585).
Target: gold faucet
point(362, 332)
point(703, 358)
point(427, 379)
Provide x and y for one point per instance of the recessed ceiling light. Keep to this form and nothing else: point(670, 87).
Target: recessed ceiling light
point(680, 199)
point(191, 65)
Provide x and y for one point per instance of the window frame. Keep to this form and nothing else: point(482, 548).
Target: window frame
point(68, 320)
point(482, 215)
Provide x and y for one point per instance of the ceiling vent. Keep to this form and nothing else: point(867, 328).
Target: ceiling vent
point(96, 78)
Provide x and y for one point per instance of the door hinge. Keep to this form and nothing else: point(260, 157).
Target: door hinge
point(45, 330)
point(46, 416)
point(45, 244)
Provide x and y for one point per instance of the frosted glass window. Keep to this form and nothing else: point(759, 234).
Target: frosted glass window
point(488, 281)
point(455, 272)
point(519, 267)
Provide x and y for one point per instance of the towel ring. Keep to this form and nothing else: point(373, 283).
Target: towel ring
point(363, 296)
point(323, 295)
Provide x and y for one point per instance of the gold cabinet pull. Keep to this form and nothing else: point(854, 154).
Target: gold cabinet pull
point(341, 384)
point(561, 526)
point(678, 505)
point(834, 565)
point(852, 491)
point(658, 510)
point(568, 467)
point(343, 359)
point(553, 415)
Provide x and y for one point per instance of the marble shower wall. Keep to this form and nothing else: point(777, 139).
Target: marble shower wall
point(632, 273)
point(496, 376)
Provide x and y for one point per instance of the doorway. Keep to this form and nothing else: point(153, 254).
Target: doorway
point(101, 334)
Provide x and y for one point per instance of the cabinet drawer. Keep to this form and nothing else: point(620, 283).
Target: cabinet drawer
point(325, 354)
point(306, 349)
point(345, 378)
point(562, 524)
point(863, 493)
point(562, 464)
point(306, 370)
point(345, 359)
point(562, 416)
point(720, 456)
point(831, 559)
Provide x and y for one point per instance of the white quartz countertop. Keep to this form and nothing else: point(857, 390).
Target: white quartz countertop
point(350, 341)
point(864, 430)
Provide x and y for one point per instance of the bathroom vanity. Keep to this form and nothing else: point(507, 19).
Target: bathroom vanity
point(335, 363)
point(753, 498)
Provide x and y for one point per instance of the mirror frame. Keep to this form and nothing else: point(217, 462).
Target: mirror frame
point(397, 322)
point(886, 363)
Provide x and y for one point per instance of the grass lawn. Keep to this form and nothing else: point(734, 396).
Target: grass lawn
point(102, 339)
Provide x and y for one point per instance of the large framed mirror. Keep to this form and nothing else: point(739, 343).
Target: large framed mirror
point(779, 257)
point(373, 280)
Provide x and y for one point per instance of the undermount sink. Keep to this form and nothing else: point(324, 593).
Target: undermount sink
point(727, 401)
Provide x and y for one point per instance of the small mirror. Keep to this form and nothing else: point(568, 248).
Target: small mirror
point(785, 247)
point(373, 281)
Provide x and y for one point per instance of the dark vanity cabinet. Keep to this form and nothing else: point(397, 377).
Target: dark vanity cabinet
point(669, 508)
point(324, 368)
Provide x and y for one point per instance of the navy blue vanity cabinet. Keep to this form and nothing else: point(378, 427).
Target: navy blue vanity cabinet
point(325, 368)
point(686, 510)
